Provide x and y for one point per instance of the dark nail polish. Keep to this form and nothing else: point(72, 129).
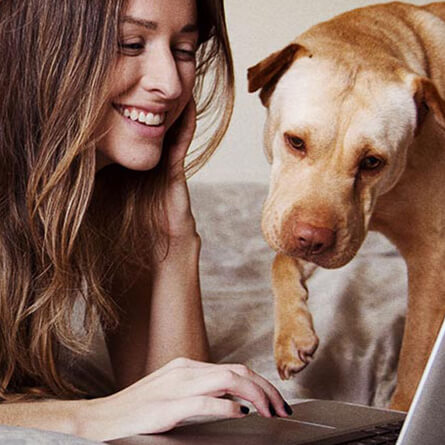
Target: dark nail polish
point(244, 409)
point(272, 410)
point(288, 409)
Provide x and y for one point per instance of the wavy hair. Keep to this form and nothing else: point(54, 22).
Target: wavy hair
point(60, 240)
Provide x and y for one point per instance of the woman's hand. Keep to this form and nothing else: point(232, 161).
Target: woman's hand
point(180, 219)
point(180, 390)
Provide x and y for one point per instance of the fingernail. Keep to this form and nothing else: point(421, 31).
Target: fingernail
point(272, 410)
point(288, 409)
point(244, 409)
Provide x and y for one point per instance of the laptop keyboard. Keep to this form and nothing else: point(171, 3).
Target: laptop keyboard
point(379, 435)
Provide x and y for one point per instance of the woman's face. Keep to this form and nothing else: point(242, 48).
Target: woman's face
point(152, 82)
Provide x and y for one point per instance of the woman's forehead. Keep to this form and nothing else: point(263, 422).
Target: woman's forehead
point(156, 13)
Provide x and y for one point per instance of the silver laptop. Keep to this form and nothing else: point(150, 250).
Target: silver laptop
point(329, 422)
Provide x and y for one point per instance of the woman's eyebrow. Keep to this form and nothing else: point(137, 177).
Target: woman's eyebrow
point(152, 26)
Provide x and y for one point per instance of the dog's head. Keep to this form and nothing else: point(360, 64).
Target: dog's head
point(337, 136)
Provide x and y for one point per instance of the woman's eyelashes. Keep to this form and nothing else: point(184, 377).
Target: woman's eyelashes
point(131, 48)
point(186, 53)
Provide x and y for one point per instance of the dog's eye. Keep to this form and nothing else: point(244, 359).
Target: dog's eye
point(370, 163)
point(295, 142)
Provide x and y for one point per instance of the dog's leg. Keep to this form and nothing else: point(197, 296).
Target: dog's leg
point(426, 307)
point(295, 340)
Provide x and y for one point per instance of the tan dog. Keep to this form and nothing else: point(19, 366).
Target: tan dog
point(355, 132)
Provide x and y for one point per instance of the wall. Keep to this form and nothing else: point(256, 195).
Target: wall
point(258, 28)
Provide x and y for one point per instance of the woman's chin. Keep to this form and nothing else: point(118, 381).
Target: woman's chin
point(138, 161)
point(139, 165)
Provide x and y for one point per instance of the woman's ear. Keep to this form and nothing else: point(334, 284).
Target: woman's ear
point(428, 99)
point(266, 73)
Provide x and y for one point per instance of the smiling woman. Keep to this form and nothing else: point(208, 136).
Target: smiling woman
point(152, 82)
point(99, 107)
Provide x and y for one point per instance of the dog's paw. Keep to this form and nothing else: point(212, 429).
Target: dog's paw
point(293, 353)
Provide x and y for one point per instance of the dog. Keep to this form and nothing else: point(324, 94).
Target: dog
point(355, 134)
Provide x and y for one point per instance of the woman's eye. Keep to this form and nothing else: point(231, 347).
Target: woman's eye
point(131, 47)
point(187, 55)
point(295, 142)
point(371, 163)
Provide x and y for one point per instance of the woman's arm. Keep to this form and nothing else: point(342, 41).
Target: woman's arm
point(62, 416)
point(161, 310)
point(161, 316)
point(179, 390)
point(176, 321)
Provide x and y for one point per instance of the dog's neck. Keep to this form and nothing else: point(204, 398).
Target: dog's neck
point(412, 214)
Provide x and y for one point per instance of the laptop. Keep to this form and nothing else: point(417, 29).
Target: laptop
point(326, 422)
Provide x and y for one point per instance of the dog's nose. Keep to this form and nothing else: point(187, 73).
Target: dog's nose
point(313, 240)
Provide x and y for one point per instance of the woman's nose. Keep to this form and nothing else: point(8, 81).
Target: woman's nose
point(160, 74)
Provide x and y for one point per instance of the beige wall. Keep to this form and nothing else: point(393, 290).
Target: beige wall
point(257, 28)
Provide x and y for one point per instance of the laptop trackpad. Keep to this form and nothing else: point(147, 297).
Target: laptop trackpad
point(253, 430)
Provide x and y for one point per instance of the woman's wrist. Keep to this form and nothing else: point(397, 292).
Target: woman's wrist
point(74, 417)
point(94, 420)
point(184, 248)
point(83, 415)
point(183, 229)
point(176, 307)
point(190, 242)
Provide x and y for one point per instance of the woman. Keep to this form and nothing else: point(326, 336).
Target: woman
point(97, 114)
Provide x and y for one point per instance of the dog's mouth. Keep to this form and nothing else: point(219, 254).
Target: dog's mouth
point(327, 260)
point(330, 241)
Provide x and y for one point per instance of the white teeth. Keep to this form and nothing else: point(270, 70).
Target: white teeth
point(153, 119)
point(140, 116)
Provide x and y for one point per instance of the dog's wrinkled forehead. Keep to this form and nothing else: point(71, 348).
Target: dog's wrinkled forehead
point(320, 96)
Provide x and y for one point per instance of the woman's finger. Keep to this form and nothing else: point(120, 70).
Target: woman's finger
point(187, 378)
point(165, 415)
point(216, 382)
point(180, 137)
point(280, 406)
point(205, 406)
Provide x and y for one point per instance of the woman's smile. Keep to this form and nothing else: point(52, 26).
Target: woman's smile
point(137, 114)
point(148, 124)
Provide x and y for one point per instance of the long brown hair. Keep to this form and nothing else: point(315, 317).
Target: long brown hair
point(59, 240)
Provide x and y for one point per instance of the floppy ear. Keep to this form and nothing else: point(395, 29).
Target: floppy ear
point(428, 99)
point(266, 73)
